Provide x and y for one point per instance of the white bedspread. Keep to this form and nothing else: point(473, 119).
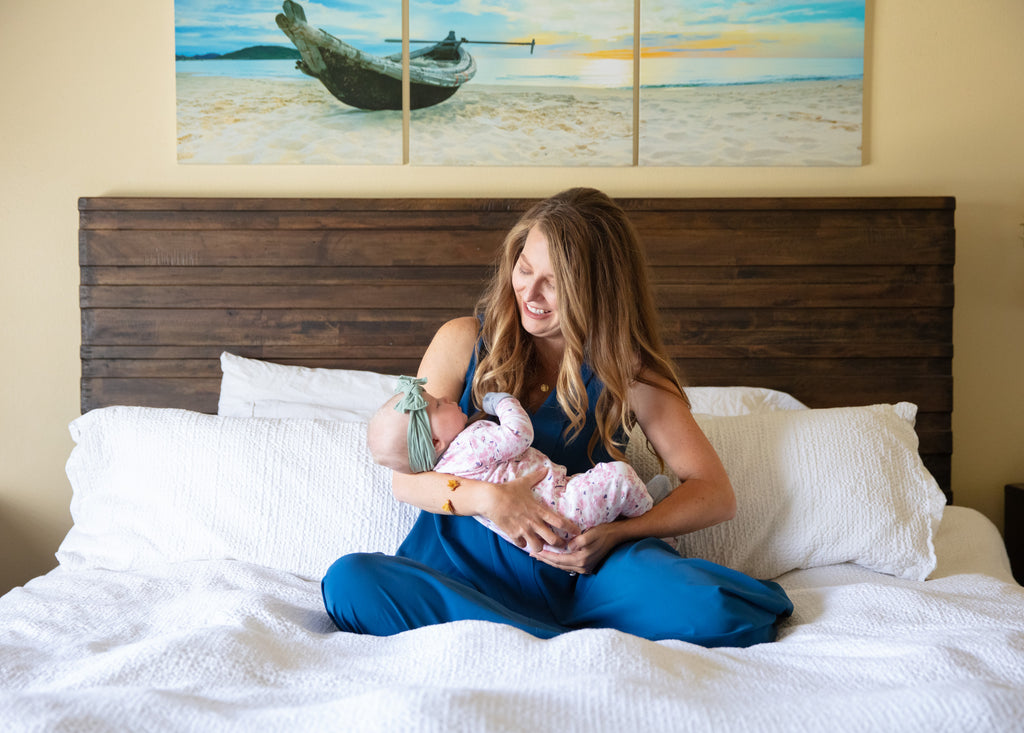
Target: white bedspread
point(229, 646)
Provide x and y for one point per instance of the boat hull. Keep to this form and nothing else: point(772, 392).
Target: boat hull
point(366, 81)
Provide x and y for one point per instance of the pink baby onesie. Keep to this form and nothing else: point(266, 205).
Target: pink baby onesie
point(500, 452)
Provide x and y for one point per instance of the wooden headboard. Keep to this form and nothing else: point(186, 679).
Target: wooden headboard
point(838, 301)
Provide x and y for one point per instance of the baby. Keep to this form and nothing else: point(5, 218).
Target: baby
point(415, 432)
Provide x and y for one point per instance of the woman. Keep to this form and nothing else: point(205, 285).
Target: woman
point(568, 326)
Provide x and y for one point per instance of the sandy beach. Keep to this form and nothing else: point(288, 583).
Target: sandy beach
point(239, 121)
point(499, 125)
point(797, 123)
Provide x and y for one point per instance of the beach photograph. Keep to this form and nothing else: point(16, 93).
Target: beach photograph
point(523, 82)
point(242, 98)
point(542, 85)
point(751, 84)
point(565, 101)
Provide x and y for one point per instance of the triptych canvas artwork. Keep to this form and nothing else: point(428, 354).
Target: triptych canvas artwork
point(520, 82)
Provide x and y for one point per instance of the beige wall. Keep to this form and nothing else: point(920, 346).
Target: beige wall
point(87, 108)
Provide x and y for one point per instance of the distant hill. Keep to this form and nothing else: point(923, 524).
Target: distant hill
point(252, 53)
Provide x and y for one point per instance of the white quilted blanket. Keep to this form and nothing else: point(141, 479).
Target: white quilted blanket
point(225, 645)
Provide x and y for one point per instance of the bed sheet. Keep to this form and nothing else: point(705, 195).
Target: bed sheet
point(223, 645)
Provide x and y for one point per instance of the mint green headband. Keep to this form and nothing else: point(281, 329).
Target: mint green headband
point(421, 444)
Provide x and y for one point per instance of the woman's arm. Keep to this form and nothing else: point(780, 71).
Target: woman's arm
point(704, 497)
point(511, 506)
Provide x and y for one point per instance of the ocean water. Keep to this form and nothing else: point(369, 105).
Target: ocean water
point(600, 73)
point(240, 69)
point(698, 72)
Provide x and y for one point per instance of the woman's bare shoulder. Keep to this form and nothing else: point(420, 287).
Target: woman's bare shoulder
point(447, 358)
point(459, 330)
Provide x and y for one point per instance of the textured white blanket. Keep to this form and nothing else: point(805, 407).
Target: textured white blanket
point(231, 646)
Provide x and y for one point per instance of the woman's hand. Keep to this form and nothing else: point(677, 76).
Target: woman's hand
point(585, 552)
point(524, 519)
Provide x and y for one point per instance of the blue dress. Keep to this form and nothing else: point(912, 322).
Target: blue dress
point(453, 568)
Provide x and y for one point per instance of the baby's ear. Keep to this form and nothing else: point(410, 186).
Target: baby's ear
point(439, 446)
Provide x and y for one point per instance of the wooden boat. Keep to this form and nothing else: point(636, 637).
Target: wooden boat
point(375, 82)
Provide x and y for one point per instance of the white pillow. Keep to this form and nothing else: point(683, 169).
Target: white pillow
point(739, 400)
point(818, 487)
point(254, 388)
point(162, 485)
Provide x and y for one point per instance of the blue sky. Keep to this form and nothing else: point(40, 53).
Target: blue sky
point(751, 28)
point(220, 26)
point(757, 28)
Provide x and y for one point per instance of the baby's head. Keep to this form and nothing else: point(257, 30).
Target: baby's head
point(399, 432)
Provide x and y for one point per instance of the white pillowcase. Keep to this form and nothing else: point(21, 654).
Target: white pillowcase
point(818, 487)
point(254, 388)
point(727, 401)
point(162, 485)
point(151, 485)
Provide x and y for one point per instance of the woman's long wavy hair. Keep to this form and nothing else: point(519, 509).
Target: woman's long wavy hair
point(606, 312)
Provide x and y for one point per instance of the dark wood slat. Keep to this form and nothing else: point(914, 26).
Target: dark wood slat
point(314, 354)
point(803, 350)
point(935, 443)
point(882, 223)
point(276, 275)
point(389, 246)
point(440, 292)
point(759, 294)
point(787, 247)
point(844, 274)
point(200, 395)
point(180, 326)
point(646, 215)
point(936, 275)
point(367, 294)
point(700, 371)
point(836, 367)
point(941, 468)
point(803, 326)
point(351, 219)
point(379, 248)
point(341, 330)
point(191, 204)
point(179, 204)
point(326, 355)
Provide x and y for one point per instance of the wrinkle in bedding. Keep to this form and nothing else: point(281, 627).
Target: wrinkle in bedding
point(232, 646)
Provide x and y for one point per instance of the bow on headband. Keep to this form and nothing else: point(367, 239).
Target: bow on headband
point(421, 444)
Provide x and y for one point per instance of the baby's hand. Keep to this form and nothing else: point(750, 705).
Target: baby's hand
point(491, 400)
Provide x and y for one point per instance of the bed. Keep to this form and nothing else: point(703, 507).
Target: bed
point(232, 348)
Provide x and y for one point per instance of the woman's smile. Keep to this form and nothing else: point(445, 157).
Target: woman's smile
point(533, 282)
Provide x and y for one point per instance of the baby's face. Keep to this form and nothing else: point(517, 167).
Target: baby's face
point(446, 417)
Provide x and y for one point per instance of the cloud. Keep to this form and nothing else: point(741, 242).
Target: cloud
point(561, 27)
point(756, 28)
point(226, 25)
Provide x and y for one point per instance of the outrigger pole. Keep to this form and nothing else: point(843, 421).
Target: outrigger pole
point(451, 39)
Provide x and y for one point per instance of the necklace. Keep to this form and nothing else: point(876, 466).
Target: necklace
point(545, 388)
